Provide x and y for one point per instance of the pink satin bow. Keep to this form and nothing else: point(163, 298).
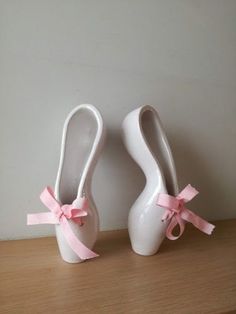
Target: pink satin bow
point(177, 213)
point(60, 215)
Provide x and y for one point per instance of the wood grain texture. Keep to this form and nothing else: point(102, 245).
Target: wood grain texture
point(196, 274)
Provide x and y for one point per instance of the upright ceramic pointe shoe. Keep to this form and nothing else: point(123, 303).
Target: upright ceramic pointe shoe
point(146, 142)
point(82, 141)
point(72, 207)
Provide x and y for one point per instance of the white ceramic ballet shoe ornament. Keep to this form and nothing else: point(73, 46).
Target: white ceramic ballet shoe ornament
point(152, 217)
point(72, 207)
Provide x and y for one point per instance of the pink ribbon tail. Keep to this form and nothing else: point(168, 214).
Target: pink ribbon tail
point(77, 246)
point(60, 215)
point(42, 218)
point(197, 221)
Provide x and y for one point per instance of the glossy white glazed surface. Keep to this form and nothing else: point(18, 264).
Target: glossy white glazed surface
point(146, 142)
point(82, 141)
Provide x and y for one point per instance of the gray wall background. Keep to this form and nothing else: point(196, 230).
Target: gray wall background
point(179, 56)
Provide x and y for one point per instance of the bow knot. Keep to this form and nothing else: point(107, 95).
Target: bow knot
point(177, 213)
point(70, 212)
point(60, 214)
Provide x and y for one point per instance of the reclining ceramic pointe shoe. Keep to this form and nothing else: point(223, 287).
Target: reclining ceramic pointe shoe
point(146, 142)
point(76, 224)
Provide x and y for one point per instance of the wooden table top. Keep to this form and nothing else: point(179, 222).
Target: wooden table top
point(195, 274)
